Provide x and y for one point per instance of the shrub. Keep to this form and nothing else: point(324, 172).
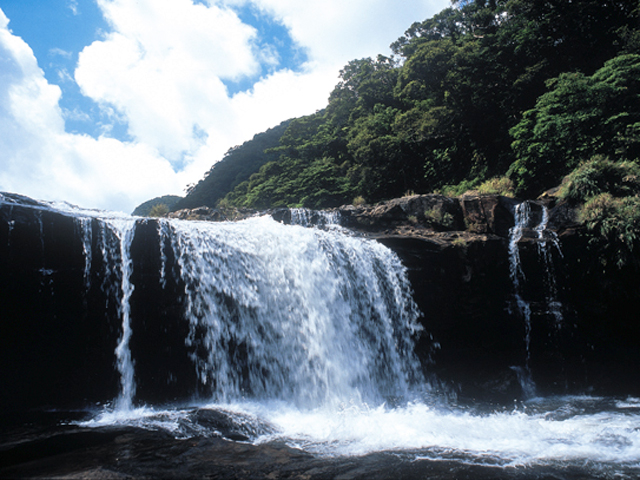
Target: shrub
point(439, 219)
point(359, 200)
point(460, 242)
point(499, 186)
point(159, 210)
point(614, 224)
point(601, 175)
point(460, 188)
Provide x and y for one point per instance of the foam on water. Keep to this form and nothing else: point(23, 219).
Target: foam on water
point(602, 434)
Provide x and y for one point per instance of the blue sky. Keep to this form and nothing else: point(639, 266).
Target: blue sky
point(107, 103)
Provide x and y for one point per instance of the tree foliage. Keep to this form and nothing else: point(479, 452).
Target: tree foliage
point(615, 226)
point(601, 175)
point(237, 165)
point(485, 87)
point(579, 117)
point(145, 209)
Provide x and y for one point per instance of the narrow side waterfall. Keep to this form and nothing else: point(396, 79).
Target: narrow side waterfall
point(83, 225)
point(547, 238)
point(124, 230)
point(114, 242)
point(523, 221)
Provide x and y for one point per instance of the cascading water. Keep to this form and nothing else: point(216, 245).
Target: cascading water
point(124, 229)
point(306, 336)
point(305, 315)
point(546, 237)
point(315, 218)
point(523, 220)
point(84, 228)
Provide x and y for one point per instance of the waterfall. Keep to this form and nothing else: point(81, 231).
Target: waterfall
point(523, 221)
point(284, 312)
point(319, 218)
point(125, 229)
point(273, 311)
point(546, 237)
point(164, 233)
point(83, 225)
point(116, 235)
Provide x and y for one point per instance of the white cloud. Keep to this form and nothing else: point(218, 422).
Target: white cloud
point(60, 52)
point(160, 71)
point(41, 160)
point(163, 65)
point(336, 31)
point(73, 6)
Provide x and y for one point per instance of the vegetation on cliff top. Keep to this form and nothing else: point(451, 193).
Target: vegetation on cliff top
point(509, 94)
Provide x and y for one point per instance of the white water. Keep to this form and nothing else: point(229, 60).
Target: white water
point(521, 216)
point(311, 316)
point(546, 237)
point(326, 322)
point(597, 434)
point(318, 218)
point(125, 229)
point(83, 224)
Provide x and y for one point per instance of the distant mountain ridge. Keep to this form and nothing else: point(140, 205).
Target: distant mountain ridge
point(144, 209)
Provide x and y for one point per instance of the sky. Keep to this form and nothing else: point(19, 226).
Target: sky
point(109, 103)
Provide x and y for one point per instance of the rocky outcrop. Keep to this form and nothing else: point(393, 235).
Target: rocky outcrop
point(60, 326)
point(582, 331)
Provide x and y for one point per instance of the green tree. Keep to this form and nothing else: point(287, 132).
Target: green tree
point(159, 210)
point(579, 117)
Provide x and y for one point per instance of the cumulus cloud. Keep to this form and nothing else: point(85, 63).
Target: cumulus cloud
point(336, 31)
point(41, 160)
point(163, 66)
point(161, 70)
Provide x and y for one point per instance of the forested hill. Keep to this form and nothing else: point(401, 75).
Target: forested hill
point(238, 164)
point(487, 94)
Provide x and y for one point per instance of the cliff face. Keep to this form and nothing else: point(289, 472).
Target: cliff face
point(579, 332)
point(566, 327)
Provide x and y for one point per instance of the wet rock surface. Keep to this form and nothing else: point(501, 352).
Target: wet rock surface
point(456, 253)
point(116, 453)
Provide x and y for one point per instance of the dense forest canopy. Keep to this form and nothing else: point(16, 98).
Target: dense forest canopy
point(525, 90)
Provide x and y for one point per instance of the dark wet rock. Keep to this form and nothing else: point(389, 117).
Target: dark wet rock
point(134, 454)
point(201, 213)
point(232, 426)
point(59, 329)
point(488, 213)
point(434, 212)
